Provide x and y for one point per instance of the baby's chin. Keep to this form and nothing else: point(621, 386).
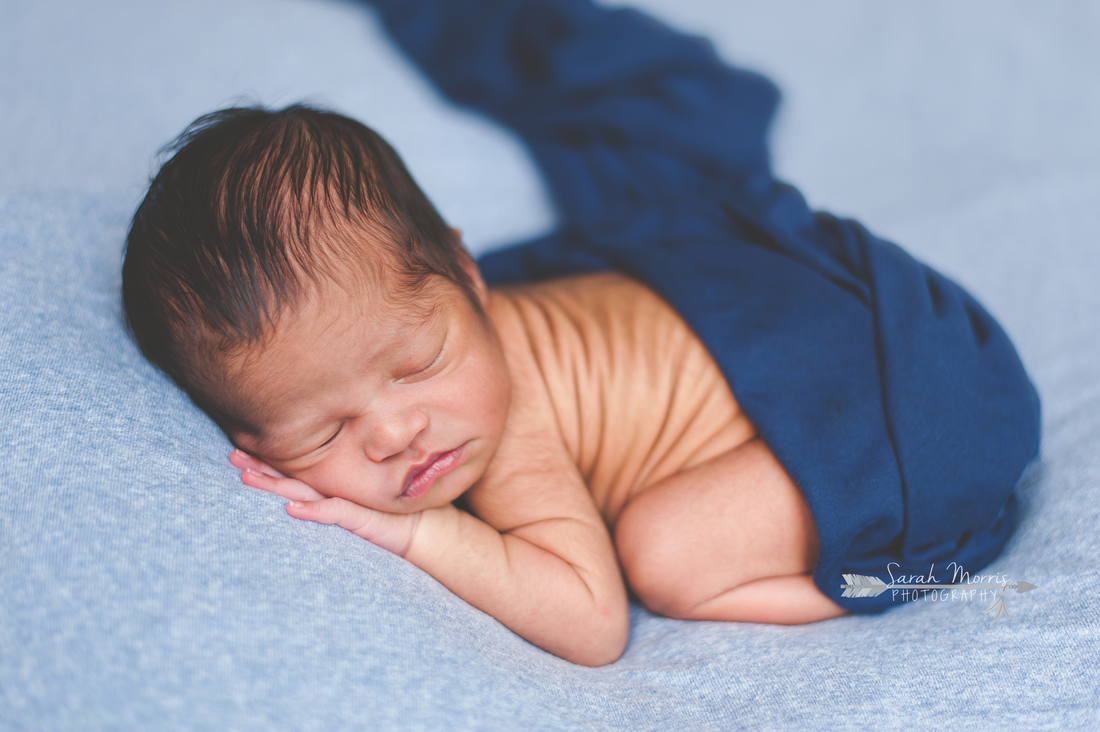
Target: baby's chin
point(446, 491)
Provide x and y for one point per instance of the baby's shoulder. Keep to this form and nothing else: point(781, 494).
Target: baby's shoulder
point(634, 392)
point(581, 341)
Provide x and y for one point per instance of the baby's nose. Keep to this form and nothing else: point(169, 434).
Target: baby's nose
point(392, 434)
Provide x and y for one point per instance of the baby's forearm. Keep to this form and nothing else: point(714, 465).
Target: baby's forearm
point(565, 607)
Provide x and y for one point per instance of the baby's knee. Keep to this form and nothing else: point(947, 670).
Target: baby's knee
point(650, 553)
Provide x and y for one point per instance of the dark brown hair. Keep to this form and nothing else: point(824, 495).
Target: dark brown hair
point(253, 204)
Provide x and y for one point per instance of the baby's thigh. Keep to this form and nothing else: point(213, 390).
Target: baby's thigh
point(696, 534)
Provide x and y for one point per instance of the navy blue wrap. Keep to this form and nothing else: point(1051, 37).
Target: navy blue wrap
point(893, 399)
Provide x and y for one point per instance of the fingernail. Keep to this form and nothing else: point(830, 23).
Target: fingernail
point(296, 504)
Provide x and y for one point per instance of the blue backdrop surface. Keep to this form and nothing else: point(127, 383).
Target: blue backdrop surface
point(143, 586)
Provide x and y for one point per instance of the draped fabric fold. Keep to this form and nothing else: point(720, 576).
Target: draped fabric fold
point(895, 401)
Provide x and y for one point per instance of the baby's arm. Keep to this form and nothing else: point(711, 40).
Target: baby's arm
point(544, 564)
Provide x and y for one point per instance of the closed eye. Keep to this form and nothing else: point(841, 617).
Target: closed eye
point(334, 436)
point(307, 453)
point(327, 442)
point(427, 368)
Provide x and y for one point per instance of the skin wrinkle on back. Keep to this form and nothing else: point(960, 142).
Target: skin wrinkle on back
point(636, 393)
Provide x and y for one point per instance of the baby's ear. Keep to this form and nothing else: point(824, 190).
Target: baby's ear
point(472, 270)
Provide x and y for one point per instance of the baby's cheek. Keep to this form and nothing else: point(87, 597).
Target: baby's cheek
point(347, 479)
point(316, 477)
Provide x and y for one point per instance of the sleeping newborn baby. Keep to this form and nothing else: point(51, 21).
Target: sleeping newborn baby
point(527, 446)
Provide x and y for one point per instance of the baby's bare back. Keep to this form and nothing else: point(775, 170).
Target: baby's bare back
point(635, 392)
point(706, 522)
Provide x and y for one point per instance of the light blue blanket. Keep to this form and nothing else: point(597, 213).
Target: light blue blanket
point(142, 586)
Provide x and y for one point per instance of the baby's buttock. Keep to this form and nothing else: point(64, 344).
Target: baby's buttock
point(637, 395)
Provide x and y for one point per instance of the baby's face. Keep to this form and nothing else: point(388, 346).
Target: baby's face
point(384, 408)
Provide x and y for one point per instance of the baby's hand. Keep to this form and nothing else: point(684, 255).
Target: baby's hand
point(393, 532)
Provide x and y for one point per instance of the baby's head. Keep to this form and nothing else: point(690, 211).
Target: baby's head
point(287, 272)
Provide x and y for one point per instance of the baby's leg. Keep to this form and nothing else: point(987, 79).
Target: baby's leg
point(730, 539)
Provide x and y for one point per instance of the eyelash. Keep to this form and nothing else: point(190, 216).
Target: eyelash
point(334, 436)
point(329, 441)
point(435, 360)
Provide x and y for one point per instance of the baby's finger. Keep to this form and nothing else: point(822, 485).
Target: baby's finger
point(391, 531)
point(294, 490)
point(337, 511)
point(244, 461)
